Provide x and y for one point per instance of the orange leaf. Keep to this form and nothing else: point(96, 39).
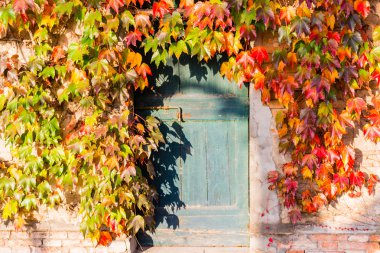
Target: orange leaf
point(186, 3)
point(57, 54)
point(105, 238)
point(292, 58)
point(115, 4)
point(143, 70)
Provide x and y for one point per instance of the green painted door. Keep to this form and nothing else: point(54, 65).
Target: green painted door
point(202, 170)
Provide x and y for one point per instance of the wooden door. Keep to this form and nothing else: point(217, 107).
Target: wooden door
point(202, 170)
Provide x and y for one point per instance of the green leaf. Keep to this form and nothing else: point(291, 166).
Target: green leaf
point(284, 34)
point(375, 53)
point(7, 184)
point(43, 188)
point(42, 49)
point(91, 17)
point(27, 182)
point(7, 15)
point(47, 72)
point(178, 48)
point(29, 202)
point(64, 8)
point(76, 52)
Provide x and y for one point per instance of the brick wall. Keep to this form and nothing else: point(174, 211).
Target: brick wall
point(57, 232)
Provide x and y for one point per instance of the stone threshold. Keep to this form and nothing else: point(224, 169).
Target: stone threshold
point(194, 250)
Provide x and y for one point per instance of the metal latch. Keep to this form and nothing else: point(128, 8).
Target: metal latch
point(179, 110)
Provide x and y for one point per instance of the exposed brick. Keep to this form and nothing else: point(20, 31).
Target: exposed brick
point(5, 250)
point(39, 235)
point(72, 243)
point(19, 235)
point(331, 245)
point(51, 243)
point(87, 243)
point(117, 246)
point(75, 235)
point(5, 234)
point(58, 235)
point(46, 250)
point(78, 250)
point(358, 246)
point(228, 250)
point(358, 238)
point(374, 238)
point(20, 250)
point(98, 250)
point(328, 237)
point(28, 242)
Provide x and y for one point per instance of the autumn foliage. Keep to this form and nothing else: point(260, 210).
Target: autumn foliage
point(67, 112)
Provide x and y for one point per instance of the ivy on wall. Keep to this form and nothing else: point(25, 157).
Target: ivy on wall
point(67, 112)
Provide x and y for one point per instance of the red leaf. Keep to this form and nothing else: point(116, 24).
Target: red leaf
point(357, 178)
point(374, 116)
point(105, 238)
point(333, 35)
point(371, 183)
point(115, 4)
point(133, 37)
point(363, 7)
point(356, 104)
point(310, 160)
point(248, 32)
point(320, 152)
point(372, 132)
point(341, 180)
point(22, 6)
point(376, 76)
point(245, 58)
point(273, 176)
point(260, 54)
point(291, 185)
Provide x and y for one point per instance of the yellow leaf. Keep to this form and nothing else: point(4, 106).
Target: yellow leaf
point(281, 66)
point(306, 173)
point(330, 20)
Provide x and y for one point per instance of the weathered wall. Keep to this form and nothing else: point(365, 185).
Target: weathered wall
point(352, 225)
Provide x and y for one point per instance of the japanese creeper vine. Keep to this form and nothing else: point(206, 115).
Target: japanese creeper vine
point(67, 113)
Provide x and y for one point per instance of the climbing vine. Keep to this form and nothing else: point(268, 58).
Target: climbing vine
point(67, 111)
